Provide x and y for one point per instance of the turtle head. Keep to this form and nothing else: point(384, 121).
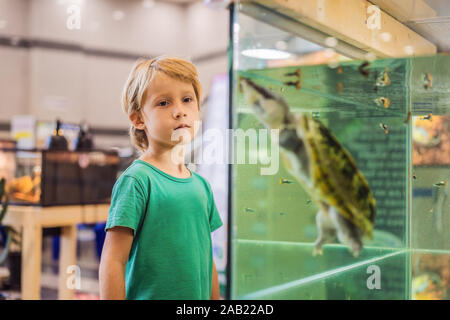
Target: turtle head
point(268, 107)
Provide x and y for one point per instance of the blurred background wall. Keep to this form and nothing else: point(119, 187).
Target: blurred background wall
point(70, 58)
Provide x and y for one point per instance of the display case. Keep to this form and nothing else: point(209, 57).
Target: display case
point(392, 116)
point(53, 178)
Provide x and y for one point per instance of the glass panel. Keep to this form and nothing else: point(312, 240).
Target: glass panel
point(392, 116)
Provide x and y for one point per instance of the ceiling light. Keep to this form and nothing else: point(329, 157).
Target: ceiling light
point(266, 54)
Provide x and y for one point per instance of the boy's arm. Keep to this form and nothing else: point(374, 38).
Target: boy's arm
point(115, 253)
point(215, 289)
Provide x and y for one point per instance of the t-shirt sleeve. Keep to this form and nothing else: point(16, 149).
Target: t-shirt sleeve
point(127, 204)
point(215, 221)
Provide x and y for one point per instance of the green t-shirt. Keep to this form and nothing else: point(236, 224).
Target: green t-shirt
point(172, 219)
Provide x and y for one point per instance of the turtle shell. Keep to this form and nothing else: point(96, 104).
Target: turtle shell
point(335, 177)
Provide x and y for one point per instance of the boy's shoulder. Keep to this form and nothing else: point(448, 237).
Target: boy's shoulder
point(202, 179)
point(135, 168)
point(137, 171)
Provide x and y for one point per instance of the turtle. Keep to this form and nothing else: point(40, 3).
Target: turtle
point(313, 155)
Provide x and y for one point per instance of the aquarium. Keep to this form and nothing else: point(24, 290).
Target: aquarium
point(50, 178)
point(391, 120)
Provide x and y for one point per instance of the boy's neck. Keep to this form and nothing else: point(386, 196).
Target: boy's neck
point(163, 159)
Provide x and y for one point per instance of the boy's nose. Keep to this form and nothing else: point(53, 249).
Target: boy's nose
point(178, 112)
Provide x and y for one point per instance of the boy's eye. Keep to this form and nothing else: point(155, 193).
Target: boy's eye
point(187, 99)
point(163, 103)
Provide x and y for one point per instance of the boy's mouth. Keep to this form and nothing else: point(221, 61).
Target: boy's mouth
point(182, 126)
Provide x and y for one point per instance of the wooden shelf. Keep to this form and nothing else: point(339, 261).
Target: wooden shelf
point(346, 20)
point(31, 220)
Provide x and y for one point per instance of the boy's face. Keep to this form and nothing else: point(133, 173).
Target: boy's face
point(169, 103)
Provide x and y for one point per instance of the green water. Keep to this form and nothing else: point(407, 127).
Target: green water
point(273, 224)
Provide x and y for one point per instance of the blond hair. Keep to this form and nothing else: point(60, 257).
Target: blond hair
point(141, 75)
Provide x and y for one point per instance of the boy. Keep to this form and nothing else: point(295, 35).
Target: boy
point(158, 239)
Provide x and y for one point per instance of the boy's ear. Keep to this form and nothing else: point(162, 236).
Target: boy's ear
point(136, 119)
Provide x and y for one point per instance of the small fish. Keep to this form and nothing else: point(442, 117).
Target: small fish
point(296, 73)
point(296, 84)
point(308, 202)
point(249, 210)
point(282, 89)
point(408, 118)
point(282, 213)
point(441, 183)
point(414, 176)
point(382, 101)
point(339, 87)
point(285, 181)
point(384, 127)
point(427, 117)
point(364, 70)
point(339, 70)
point(383, 79)
point(427, 80)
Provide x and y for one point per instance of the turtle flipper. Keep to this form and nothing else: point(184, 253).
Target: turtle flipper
point(326, 232)
point(347, 233)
